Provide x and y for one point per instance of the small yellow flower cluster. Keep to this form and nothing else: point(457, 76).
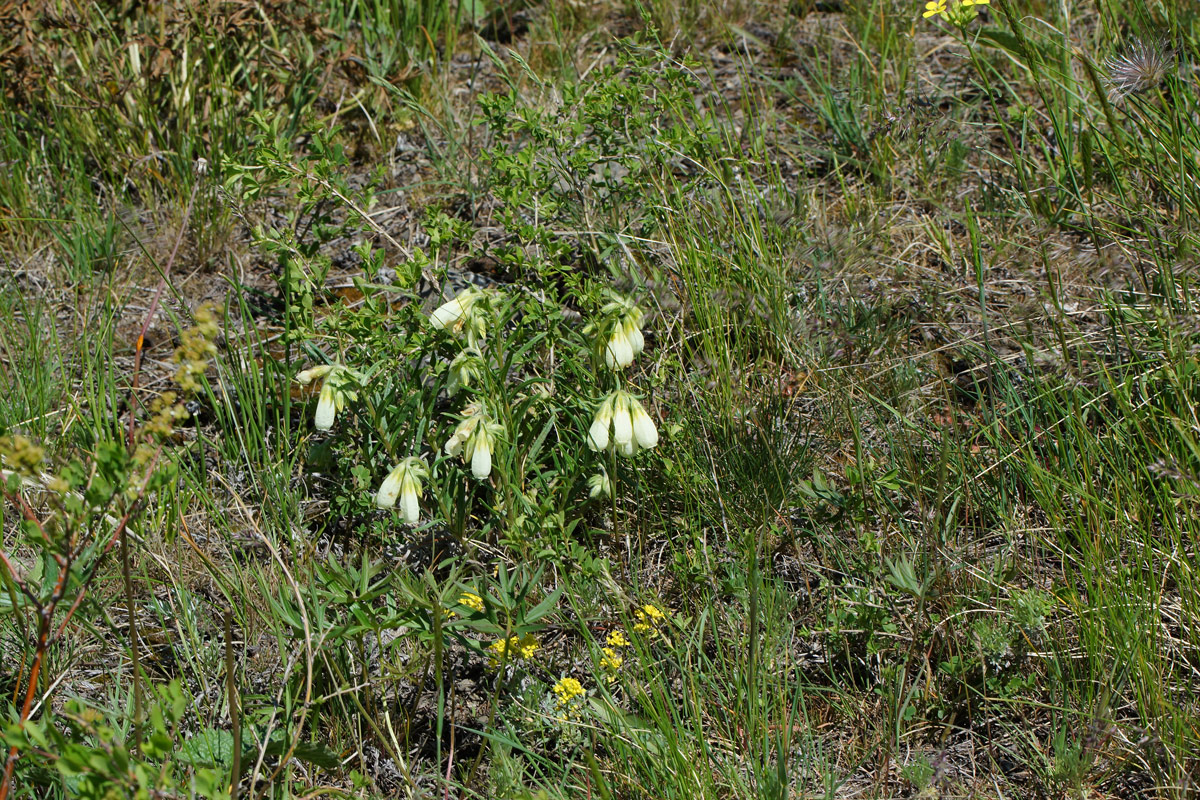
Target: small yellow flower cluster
point(959, 12)
point(570, 695)
point(610, 663)
point(21, 455)
point(197, 347)
point(513, 649)
point(649, 618)
point(472, 601)
point(617, 639)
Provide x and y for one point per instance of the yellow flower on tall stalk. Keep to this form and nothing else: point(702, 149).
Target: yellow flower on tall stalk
point(958, 12)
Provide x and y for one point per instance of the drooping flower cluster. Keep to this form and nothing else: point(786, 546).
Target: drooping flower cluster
point(404, 482)
point(336, 391)
point(475, 440)
point(467, 313)
point(622, 424)
point(619, 330)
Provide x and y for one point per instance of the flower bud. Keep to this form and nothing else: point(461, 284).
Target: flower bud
point(465, 370)
point(600, 484)
point(312, 373)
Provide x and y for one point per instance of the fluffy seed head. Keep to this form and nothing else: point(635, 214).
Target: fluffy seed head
point(1142, 66)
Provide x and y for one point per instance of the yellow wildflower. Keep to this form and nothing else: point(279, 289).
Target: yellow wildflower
point(935, 7)
point(648, 619)
point(568, 689)
point(471, 601)
point(611, 663)
point(617, 639)
point(513, 649)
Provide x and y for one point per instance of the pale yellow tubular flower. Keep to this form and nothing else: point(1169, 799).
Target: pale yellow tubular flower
point(449, 314)
point(618, 353)
point(410, 492)
point(644, 431)
point(404, 483)
point(389, 490)
point(327, 406)
point(462, 433)
point(622, 424)
point(598, 433)
point(481, 452)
